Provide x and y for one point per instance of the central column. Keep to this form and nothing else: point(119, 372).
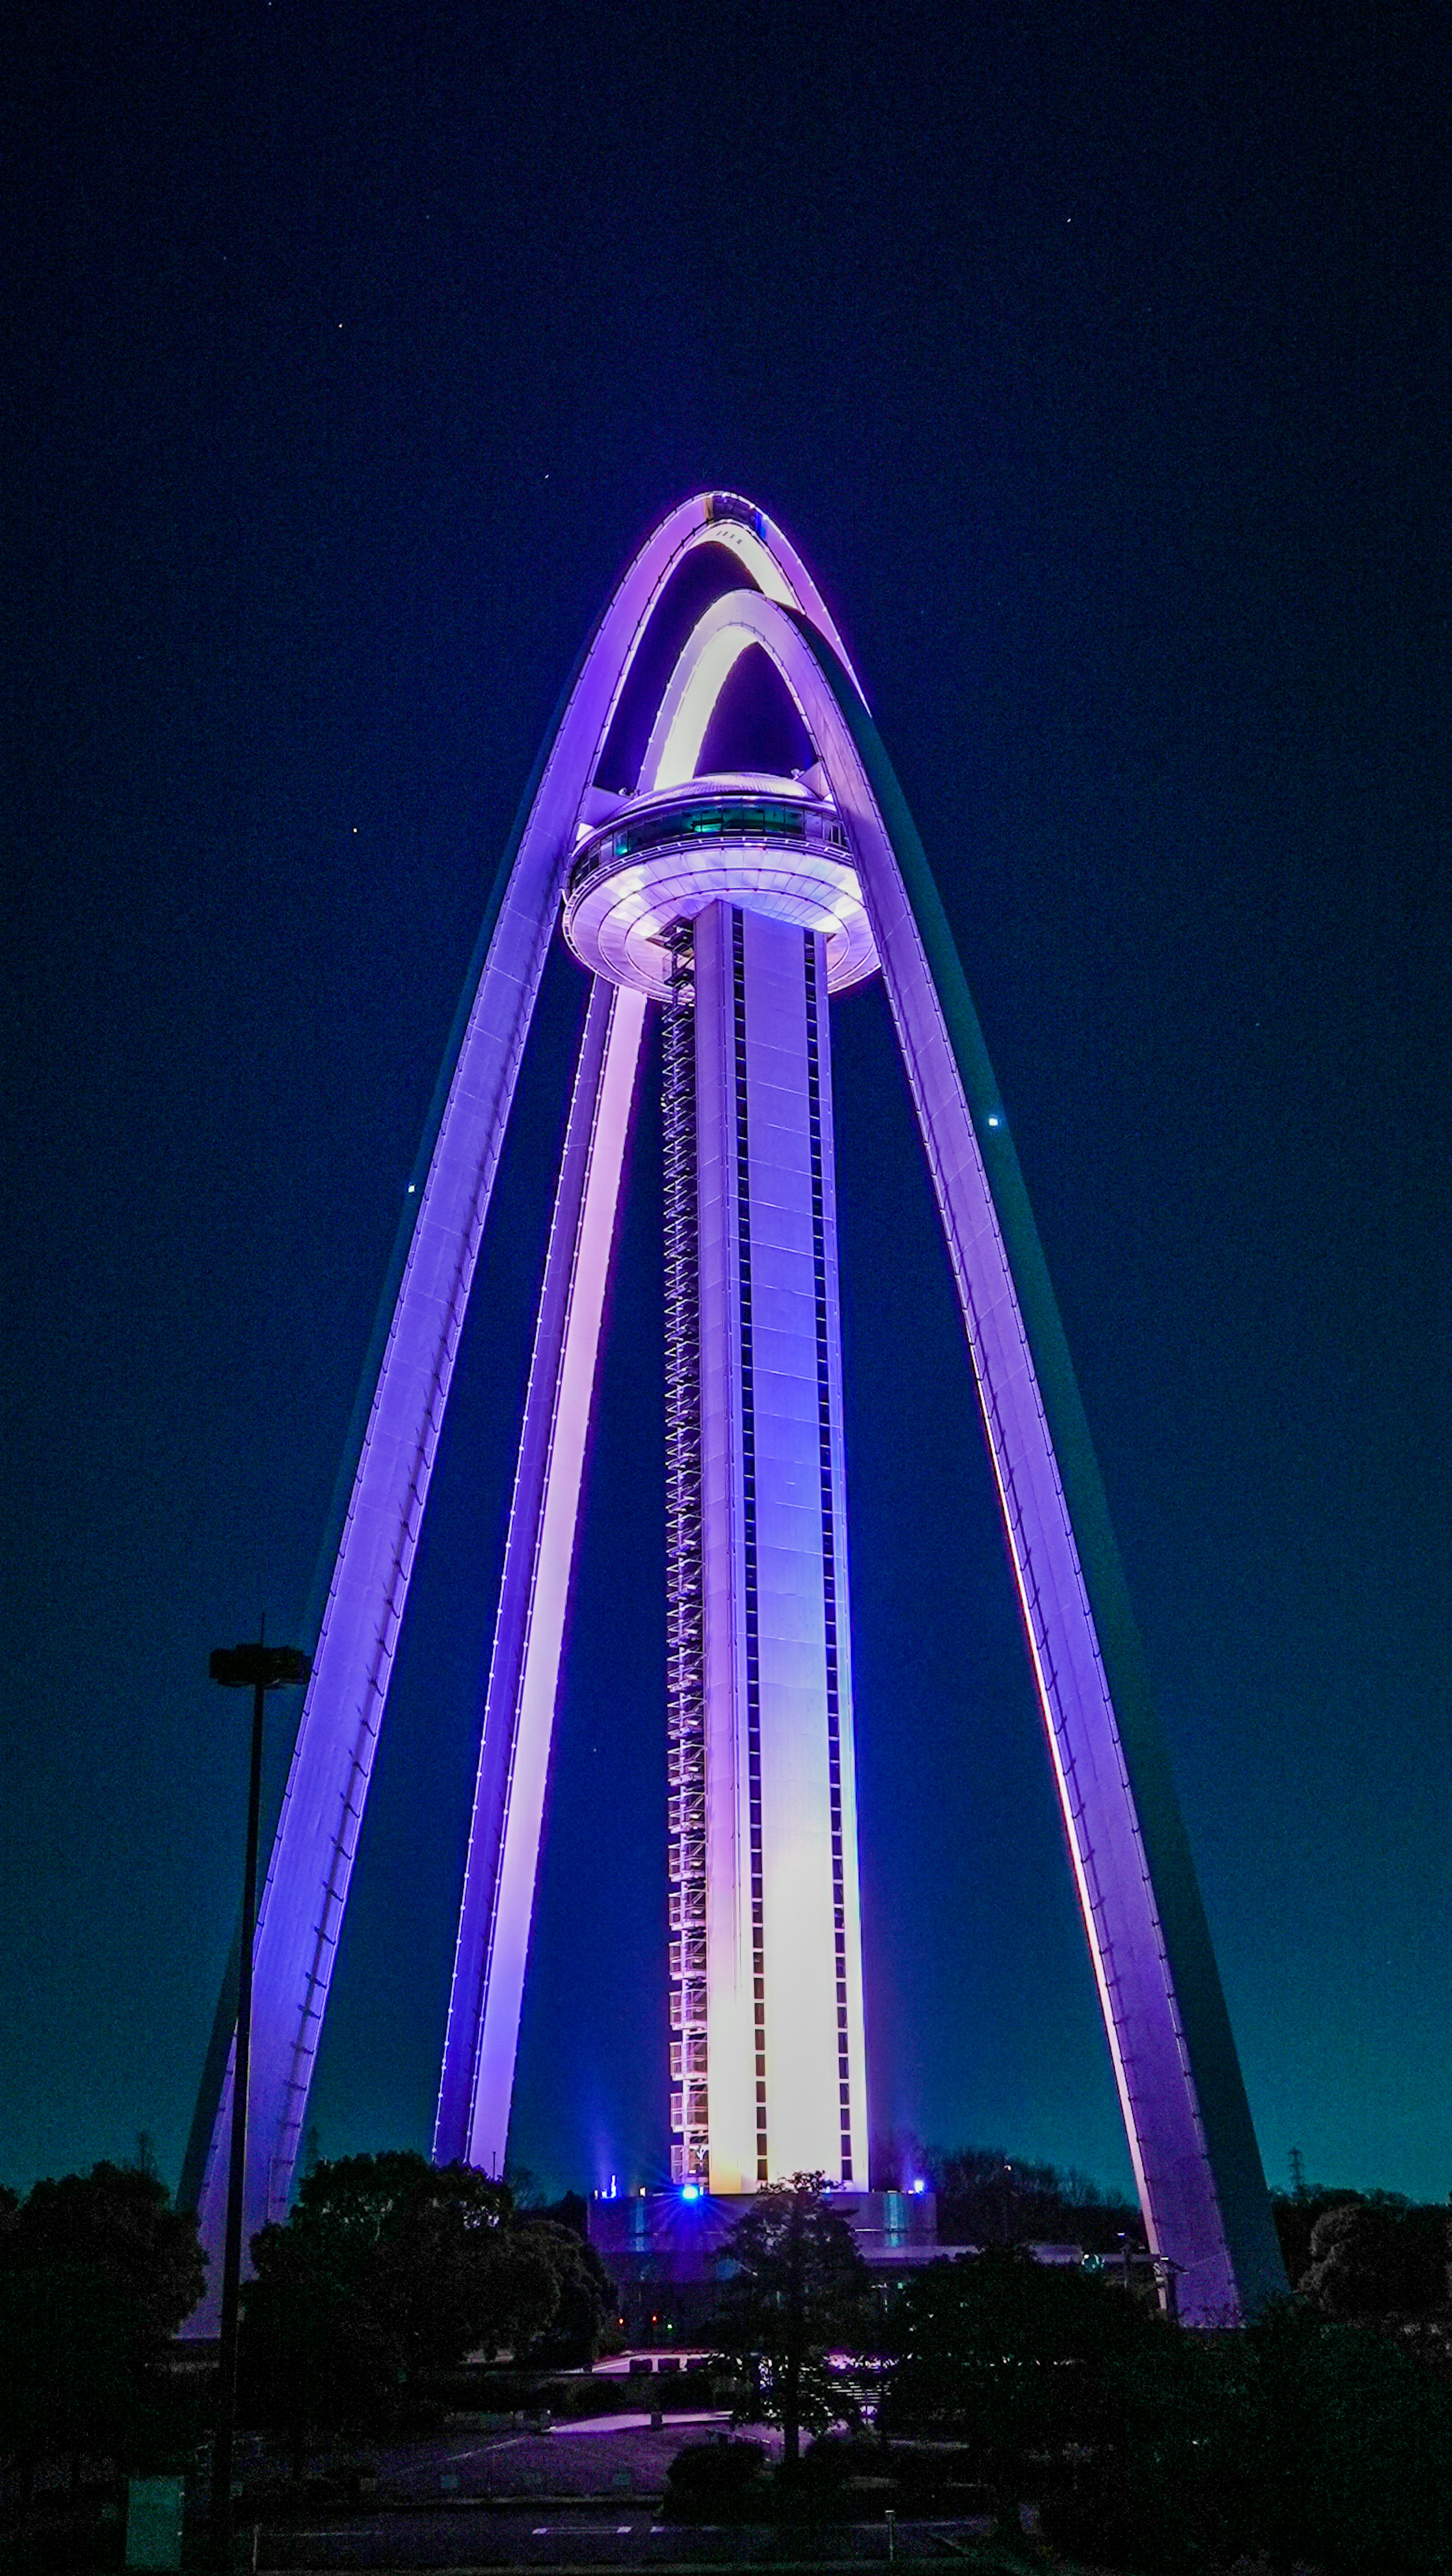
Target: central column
point(785, 2059)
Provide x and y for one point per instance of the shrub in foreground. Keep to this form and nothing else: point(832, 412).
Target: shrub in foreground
point(1296, 2442)
point(717, 2482)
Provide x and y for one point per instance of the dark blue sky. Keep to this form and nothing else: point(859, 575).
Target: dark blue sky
point(1098, 360)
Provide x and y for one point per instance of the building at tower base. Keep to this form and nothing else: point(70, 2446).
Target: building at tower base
point(668, 2253)
point(669, 2256)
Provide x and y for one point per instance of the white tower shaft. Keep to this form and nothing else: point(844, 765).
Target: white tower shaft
point(787, 2090)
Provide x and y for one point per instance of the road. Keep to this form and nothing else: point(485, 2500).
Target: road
point(580, 2495)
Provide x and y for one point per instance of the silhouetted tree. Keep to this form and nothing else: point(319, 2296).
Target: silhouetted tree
point(391, 2268)
point(1336, 2449)
point(1349, 2448)
point(119, 2221)
point(1011, 2357)
point(586, 2294)
point(799, 2287)
point(988, 2198)
point(1294, 2442)
point(97, 2271)
point(1389, 2263)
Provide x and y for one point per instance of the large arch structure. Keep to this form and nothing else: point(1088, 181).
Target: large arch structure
point(640, 681)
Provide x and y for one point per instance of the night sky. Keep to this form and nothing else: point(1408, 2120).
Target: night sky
point(1097, 359)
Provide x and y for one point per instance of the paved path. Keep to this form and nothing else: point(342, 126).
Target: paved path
point(624, 2455)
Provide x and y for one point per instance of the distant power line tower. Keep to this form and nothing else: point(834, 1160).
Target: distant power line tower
point(736, 893)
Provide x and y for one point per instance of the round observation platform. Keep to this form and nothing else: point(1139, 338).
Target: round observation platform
point(766, 844)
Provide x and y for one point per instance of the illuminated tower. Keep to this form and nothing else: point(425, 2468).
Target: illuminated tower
point(737, 902)
point(732, 901)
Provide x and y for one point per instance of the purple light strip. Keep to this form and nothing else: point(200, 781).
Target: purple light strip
point(488, 1985)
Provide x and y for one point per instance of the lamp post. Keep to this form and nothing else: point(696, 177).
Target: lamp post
point(259, 1668)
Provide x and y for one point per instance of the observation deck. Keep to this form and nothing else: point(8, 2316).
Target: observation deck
point(766, 844)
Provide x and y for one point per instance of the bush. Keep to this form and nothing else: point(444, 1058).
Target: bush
point(717, 2482)
point(1090, 2518)
point(834, 2457)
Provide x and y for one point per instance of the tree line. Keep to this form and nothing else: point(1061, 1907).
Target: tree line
point(1367, 2255)
point(987, 2197)
point(1322, 2432)
point(388, 2270)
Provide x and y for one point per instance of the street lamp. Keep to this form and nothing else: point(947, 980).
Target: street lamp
point(260, 1669)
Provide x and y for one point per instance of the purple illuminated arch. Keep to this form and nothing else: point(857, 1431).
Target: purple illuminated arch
point(1194, 2151)
point(302, 1906)
point(477, 2082)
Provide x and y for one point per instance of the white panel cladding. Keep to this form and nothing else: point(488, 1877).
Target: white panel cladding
point(803, 2125)
point(729, 1966)
point(766, 1574)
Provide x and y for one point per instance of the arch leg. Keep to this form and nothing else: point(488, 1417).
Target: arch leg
point(1198, 2168)
point(368, 1557)
point(477, 2079)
